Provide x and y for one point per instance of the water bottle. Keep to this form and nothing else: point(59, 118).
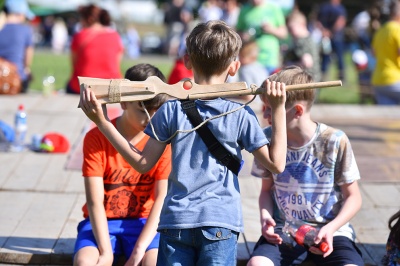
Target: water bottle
point(20, 129)
point(304, 234)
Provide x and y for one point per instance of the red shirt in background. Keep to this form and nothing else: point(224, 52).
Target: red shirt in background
point(98, 54)
point(179, 72)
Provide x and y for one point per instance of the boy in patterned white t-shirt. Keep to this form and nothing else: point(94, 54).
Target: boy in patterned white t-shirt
point(319, 185)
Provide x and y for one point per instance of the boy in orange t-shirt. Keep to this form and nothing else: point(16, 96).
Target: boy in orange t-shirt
point(123, 206)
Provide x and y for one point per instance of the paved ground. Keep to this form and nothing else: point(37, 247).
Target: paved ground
point(41, 201)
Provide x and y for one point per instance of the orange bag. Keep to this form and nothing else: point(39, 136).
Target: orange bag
point(10, 82)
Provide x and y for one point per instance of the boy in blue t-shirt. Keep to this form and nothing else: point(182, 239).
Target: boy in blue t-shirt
point(202, 216)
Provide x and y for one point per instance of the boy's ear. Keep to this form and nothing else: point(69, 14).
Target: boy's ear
point(123, 105)
point(233, 67)
point(299, 110)
point(186, 61)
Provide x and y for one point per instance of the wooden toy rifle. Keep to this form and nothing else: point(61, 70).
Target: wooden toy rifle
point(124, 90)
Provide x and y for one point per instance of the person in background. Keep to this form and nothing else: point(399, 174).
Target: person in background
point(122, 205)
point(133, 42)
point(16, 39)
point(179, 70)
point(319, 185)
point(96, 50)
point(264, 22)
point(176, 19)
point(59, 35)
point(331, 19)
point(392, 256)
point(251, 71)
point(304, 52)
point(386, 49)
point(210, 10)
point(230, 12)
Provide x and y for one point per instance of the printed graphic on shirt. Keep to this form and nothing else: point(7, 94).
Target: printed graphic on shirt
point(305, 189)
point(126, 191)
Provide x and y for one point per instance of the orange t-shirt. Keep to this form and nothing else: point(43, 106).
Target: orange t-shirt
point(128, 194)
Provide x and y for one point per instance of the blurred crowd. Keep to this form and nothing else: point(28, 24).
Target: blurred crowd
point(274, 33)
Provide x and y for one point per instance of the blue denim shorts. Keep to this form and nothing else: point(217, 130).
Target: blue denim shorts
point(344, 252)
point(123, 235)
point(197, 246)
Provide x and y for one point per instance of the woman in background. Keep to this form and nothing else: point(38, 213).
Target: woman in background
point(96, 50)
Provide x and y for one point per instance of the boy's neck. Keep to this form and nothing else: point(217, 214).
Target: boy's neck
point(203, 80)
point(301, 133)
point(128, 131)
point(215, 79)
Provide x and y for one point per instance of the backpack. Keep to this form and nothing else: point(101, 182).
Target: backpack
point(10, 82)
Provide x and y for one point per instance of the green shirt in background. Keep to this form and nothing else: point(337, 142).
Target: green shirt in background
point(250, 20)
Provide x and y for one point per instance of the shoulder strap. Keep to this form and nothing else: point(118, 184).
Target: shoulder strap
point(231, 161)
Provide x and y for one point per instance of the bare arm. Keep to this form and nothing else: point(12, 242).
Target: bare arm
point(150, 228)
point(265, 202)
point(141, 161)
point(279, 32)
point(29, 51)
point(340, 23)
point(352, 204)
point(94, 189)
point(273, 156)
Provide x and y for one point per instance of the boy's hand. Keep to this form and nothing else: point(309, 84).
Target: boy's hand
point(92, 108)
point(268, 232)
point(326, 234)
point(275, 93)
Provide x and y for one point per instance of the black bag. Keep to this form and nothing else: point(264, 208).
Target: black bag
point(231, 161)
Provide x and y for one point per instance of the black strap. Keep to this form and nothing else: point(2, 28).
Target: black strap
point(232, 162)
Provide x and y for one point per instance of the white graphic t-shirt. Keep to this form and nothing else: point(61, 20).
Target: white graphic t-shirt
point(309, 188)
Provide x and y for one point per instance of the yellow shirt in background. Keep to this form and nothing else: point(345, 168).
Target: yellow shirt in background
point(386, 46)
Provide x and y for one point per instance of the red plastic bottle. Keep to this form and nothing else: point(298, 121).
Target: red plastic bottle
point(304, 234)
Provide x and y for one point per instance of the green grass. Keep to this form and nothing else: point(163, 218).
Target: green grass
point(348, 93)
point(46, 63)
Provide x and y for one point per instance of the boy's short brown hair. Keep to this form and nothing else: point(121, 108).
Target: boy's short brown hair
point(291, 75)
point(212, 46)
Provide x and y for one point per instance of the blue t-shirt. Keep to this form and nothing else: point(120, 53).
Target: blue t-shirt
point(201, 191)
point(14, 39)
